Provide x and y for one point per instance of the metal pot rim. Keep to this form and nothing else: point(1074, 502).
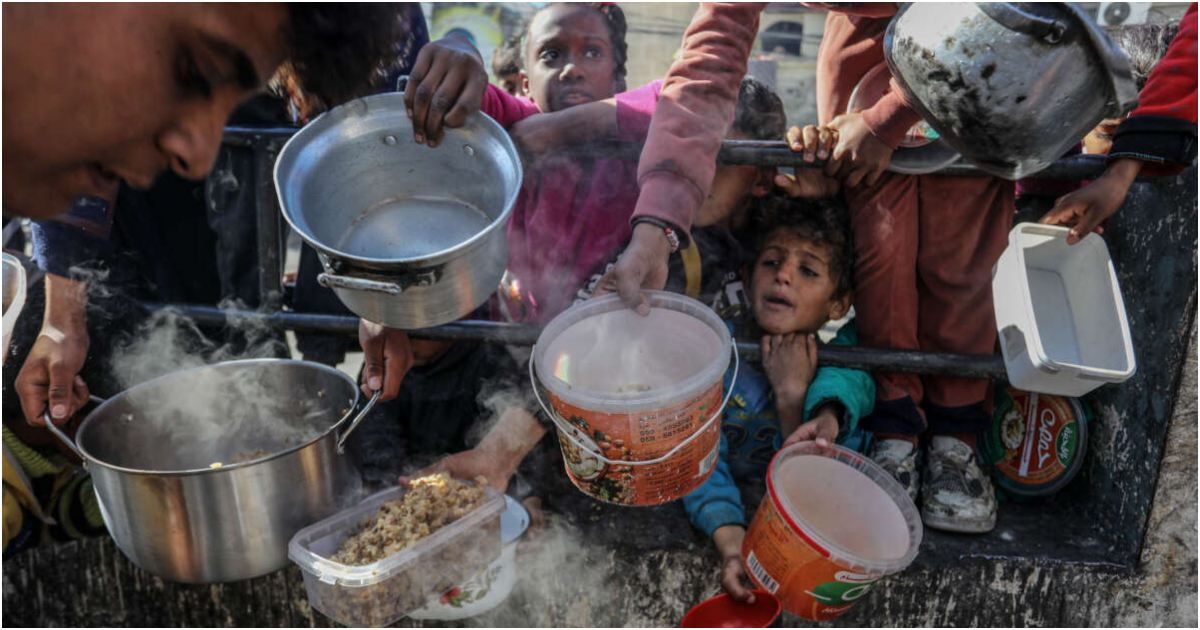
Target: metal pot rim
point(89, 421)
point(344, 111)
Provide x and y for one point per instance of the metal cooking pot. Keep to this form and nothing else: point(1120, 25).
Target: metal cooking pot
point(203, 475)
point(409, 236)
point(1010, 85)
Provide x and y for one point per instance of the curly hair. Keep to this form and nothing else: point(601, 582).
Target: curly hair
point(1146, 45)
point(339, 50)
point(759, 112)
point(506, 59)
point(614, 19)
point(823, 222)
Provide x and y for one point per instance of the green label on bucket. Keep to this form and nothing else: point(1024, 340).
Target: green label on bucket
point(847, 590)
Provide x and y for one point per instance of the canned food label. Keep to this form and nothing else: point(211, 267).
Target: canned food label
point(1035, 438)
point(638, 437)
point(784, 562)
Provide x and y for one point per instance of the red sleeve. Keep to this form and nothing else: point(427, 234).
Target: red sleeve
point(694, 112)
point(1161, 131)
point(1170, 89)
point(505, 108)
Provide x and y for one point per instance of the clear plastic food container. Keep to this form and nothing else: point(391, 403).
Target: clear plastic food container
point(380, 593)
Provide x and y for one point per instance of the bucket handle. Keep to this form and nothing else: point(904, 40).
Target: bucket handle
point(341, 443)
point(566, 429)
point(334, 281)
point(61, 435)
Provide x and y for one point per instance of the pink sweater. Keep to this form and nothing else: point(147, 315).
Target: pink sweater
point(572, 215)
point(699, 95)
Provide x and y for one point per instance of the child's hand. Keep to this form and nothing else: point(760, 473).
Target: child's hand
point(822, 429)
point(859, 156)
point(1086, 208)
point(791, 363)
point(387, 357)
point(728, 540)
point(445, 87)
point(817, 142)
point(809, 183)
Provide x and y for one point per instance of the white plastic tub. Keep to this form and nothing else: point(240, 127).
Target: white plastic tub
point(14, 297)
point(1062, 323)
point(380, 593)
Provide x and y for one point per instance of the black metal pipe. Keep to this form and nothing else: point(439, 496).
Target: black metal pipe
point(752, 152)
point(269, 231)
point(938, 363)
point(777, 153)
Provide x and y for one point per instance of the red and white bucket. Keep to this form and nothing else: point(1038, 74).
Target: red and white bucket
point(637, 400)
point(831, 524)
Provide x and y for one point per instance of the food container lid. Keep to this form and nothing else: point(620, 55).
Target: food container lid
point(724, 611)
point(312, 547)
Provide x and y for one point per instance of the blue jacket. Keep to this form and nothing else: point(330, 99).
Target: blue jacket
point(750, 433)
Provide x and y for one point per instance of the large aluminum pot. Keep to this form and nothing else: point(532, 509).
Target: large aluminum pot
point(1012, 86)
point(409, 236)
point(204, 474)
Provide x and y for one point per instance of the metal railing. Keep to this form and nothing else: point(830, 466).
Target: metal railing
point(267, 141)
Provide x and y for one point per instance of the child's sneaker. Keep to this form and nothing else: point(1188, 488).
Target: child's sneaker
point(899, 458)
point(957, 495)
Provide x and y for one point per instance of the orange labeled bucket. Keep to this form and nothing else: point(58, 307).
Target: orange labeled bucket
point(637, 400)
point(831, 524)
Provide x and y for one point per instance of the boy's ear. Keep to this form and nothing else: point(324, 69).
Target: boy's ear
point(838, 307)
point(765, 181)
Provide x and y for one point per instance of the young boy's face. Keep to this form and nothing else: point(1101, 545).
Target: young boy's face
point(95, 94)
point(568, 58)
point(791, 288)
point(511, 83)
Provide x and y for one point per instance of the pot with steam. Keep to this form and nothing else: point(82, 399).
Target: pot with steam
point(204, 474)
point(409, 236)
point(1012, 86)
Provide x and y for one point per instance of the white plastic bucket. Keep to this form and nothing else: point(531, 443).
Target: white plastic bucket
point(14, 297)
point(1059, 312)
point(831, 524)
point(637, 400)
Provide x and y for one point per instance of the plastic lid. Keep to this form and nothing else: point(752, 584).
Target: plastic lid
point(312, 547)
point(724, 611)
point(857, 521)
point(697, 372)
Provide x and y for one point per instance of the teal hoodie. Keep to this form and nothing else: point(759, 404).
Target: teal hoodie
point(750, 433)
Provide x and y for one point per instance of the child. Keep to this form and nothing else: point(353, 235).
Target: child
point(506, 66)
point(1145, 44)
point(800, 280)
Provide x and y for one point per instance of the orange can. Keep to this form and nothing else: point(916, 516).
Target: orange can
point(637, 400)
point(831, 524)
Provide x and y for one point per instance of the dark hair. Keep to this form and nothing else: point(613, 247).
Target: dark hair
point(614, 18)
point(338, 50)
point(759, 112)
point(819, 221)
point(1145, 44)
point(506, 59)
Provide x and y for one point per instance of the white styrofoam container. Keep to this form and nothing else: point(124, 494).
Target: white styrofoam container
point(1059, 312)
point(381, 593)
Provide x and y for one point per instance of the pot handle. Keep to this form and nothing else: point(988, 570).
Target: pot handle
point(1013, 18)
point(334, 281)
point(341, 443)
point(62, 437)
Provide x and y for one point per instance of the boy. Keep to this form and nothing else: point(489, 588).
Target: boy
point(800, 279)
point(506, 66)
